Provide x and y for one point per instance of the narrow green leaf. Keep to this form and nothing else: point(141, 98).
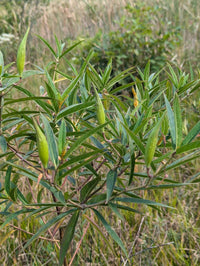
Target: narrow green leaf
point(87, 189)
point(68, 236)
point(132, 167)
point(3, 143)
point(84, 137)
point(62, 137)
point(117, 79)
point(51, 84)
point(135, 139)
point(182, 160)
point(167, 186)
point(152, 143)
point(192, 134)
point(69, 49)
point(74, 108)
point(21, 197)
point(146, 73)
point(53, 149)
point(48, 45)
point(173, 76)
point(95, 78)
point(58, 45)
point(110, 183)
point(78, 159)
point(107, 72)
point(7, 179)
point(126, 208)
point(114, 208)
point(13, 216)
point(1, 64)
point(188, 147)
point(111, 232)
point(74, 82)
point(178, 121)
point(171, 119)
point(42, 104)
point(48, 224)
point(98, 229)
point(142, 201)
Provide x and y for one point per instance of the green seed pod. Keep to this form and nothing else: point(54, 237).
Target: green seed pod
point(100, 109)
point(42, 145)
point(151, 144)
point(21, 54)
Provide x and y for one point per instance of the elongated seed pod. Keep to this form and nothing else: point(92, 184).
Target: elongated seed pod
point(21, 54)
point(42, 145)
point(151, 144)
point(100, 109)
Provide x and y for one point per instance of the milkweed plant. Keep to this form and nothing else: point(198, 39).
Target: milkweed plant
point(85, 146)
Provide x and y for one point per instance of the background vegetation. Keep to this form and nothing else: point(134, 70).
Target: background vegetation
point(131, 33)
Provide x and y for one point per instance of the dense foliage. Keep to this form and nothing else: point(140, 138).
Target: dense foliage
point(105, 147)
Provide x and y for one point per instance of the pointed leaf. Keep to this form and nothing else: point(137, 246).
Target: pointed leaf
point(110, 183)
point(171, 119)
point(48, 45)
point(87, 189)
point(188, 147)
point(84, 137)
point(132, 163)
point(135, 139)
point(70, 48)
point(74, 82)
point(7, 180)
point(74, 108)
point(178, 121)
point(1, 64)
point(51, 222)
point(192, 134)
point(3, 143)
point(53, 149)
point(111, 232)
point(62, 137)
point(142, 201)
point(68, 236)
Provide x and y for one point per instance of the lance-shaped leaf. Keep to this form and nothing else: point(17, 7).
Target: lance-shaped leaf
point(178, 121)
point(87, 189)
point(47, 225)
point(152, 143)
point(171, 119)
point(84, 137)
point(110, 182)
point(62, 138)
point(111, 232)
point(3, 143)
point(7, 179)
point(68, 236)
point(74, 82)
point(1, 64)
point(53, 149)
point(192, 134)
point(143, 201)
